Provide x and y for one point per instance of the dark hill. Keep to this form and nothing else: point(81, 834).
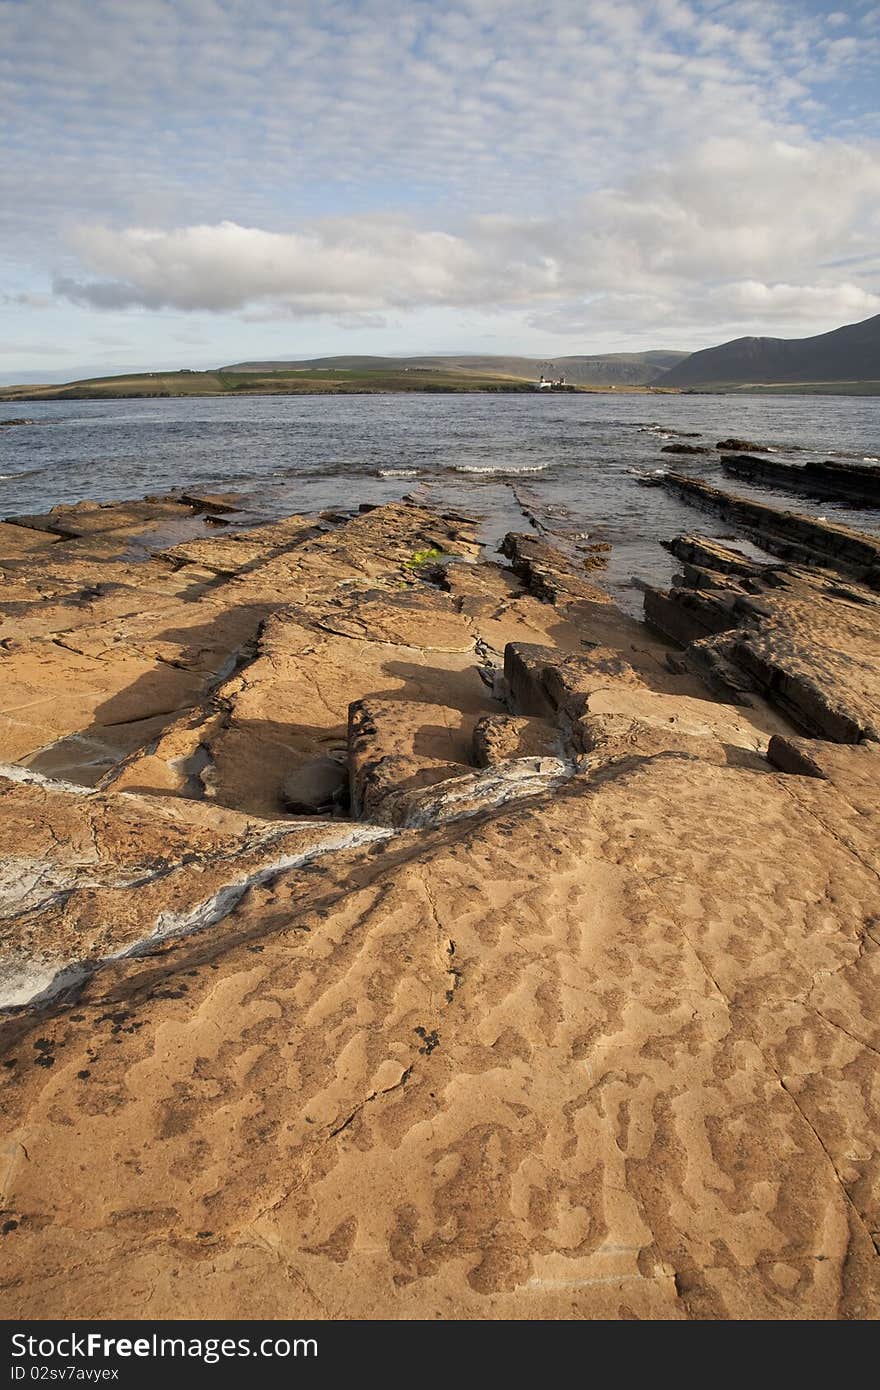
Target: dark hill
point(851, 354)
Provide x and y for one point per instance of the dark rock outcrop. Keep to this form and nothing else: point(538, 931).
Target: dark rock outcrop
point(855, 483)
point(791, 535)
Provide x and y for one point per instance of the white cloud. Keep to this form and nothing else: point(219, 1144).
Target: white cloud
point(339, 267)
point(752, 297)
point(348, 159)
point(724, 230)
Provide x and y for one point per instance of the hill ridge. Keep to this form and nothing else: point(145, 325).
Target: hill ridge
point(850, 353)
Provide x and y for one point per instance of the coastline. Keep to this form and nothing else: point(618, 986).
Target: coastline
point(26, 395)
point(525, 388)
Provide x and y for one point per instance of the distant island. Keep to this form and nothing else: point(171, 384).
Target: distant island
point(844, 361)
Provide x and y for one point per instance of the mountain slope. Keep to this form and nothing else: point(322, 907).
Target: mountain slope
point(851, 353)
point(617, 368)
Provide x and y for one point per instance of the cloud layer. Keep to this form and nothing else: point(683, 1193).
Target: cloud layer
point(713, 236)
point(591, 165)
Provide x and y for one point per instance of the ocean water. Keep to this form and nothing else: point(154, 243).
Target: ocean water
point(571, 461)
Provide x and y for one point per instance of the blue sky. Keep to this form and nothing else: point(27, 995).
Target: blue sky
point(193, 182)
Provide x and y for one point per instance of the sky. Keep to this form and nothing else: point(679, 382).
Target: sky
point(189, 183)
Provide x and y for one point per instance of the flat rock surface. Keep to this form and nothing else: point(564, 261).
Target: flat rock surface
point(572, 1012)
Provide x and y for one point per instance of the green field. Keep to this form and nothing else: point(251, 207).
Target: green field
point(290, 381)
point(336, 376)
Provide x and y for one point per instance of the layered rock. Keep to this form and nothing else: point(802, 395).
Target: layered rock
point(856, 483)
point(547, 573)
point(790, 535)
point(569, 1012)
point(799, 638)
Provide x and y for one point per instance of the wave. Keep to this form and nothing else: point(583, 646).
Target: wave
point(493, 469)
point(24, 473)
point(397, 473)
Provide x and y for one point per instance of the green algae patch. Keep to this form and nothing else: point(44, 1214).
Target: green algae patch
point(424, 557)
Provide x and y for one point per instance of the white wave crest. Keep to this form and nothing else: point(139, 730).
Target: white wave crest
point(492, 468)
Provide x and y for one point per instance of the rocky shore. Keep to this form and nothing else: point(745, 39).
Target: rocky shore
point(392, 930)
point(856, 483)
point(790, 535)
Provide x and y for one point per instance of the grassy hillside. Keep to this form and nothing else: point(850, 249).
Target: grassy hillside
point(330, 376)
point(135, 384)
point(226, 382)
point(610, 369)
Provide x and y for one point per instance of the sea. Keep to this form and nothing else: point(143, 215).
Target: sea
point(571, 466)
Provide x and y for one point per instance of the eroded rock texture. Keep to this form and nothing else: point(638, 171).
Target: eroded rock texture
point(389, 939)
point(804, 638)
